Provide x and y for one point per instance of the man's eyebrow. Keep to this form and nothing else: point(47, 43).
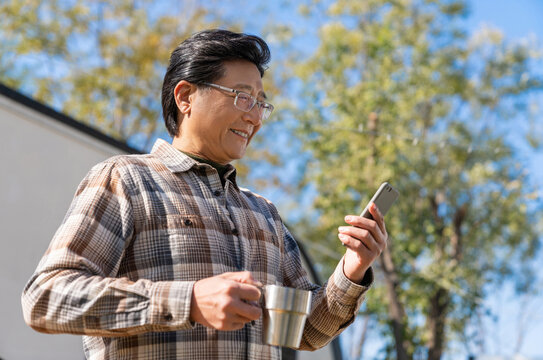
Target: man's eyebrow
point(249, 88)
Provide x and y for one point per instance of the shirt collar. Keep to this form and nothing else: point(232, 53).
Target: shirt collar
point(178, 162)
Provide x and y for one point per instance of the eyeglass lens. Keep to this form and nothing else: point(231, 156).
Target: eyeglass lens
point(245, 102)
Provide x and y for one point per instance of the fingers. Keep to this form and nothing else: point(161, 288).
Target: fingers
point(246, 311)
point(365, 240)
point(244, 277)
point(227, 301)
point(235, 317)
point(370, 235)
point(365, 236)
point(356, 238)
point(246, 288)
point(375, 226)
point(246, 292)
point(378, 217)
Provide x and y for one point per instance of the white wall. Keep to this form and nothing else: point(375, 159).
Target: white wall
point(42, 161)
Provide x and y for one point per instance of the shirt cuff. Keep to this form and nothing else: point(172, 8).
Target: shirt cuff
point(170, 305)
point(351, 292)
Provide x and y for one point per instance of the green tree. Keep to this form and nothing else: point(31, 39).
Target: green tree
point(397, 92)
point(101, 62)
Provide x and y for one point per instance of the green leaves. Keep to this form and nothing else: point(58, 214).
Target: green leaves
point(403, 95)
point(104, 61)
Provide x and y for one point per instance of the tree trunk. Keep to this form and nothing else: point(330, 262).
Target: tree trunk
point(440, 300)
point(395, 308)
point(436, 323)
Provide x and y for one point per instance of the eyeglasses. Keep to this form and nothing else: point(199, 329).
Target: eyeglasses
point(246, 102)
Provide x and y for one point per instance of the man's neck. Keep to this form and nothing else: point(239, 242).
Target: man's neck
point(216, 165)
point(190, 150)
point(221, 169)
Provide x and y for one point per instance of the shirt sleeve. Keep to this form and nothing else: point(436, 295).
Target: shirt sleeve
point(334, 305)
point(74, 288)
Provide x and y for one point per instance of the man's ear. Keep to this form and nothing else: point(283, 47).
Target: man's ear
point(182, 93)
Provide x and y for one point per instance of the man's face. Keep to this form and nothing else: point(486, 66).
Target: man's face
point(216, 129)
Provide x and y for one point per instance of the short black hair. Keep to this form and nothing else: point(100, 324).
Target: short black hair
point(200, 59)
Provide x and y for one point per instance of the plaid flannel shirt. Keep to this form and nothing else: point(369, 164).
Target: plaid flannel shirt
point(140, 231)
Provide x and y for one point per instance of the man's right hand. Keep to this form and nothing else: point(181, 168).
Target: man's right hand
point(227, 301)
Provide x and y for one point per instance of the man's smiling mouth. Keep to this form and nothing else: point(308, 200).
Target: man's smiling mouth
point(240, 133)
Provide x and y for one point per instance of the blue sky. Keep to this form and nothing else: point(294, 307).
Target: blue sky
point(517, 19)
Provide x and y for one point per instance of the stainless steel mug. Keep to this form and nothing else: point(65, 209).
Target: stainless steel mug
point(285, 312)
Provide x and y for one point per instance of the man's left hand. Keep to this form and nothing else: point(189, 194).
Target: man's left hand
point(365, 239)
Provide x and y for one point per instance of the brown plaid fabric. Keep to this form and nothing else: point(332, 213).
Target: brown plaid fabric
point(140, 231)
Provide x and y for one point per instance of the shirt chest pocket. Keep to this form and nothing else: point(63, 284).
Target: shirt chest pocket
point(181, 247)
point(189, 247)
point(199, 247)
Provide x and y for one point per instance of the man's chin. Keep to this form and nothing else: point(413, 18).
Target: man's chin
point(238, 155)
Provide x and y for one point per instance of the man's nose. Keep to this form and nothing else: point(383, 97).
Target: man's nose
point(253, 116)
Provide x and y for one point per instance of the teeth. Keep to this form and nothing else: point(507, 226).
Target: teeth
point(240, 133)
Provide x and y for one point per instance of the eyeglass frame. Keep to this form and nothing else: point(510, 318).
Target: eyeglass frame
point(265, 105)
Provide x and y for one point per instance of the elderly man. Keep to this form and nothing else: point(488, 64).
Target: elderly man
point(161, 256)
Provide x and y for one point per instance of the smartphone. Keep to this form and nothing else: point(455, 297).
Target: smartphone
point(383, 198)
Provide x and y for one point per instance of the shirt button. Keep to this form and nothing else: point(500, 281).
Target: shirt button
point(188, 222)
point(168, 317)
point(217, 193)
point(235, 231)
